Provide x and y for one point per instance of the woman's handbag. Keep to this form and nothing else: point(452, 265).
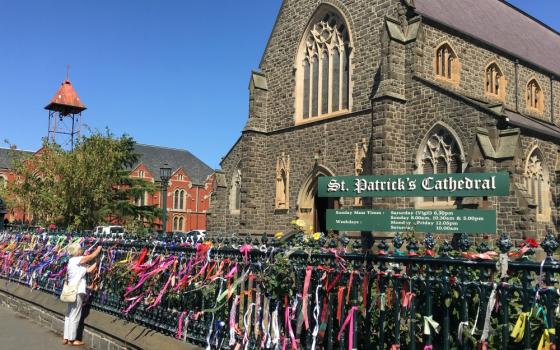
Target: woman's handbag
point(69, 292)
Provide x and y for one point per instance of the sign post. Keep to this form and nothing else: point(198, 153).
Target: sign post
point(418, 220)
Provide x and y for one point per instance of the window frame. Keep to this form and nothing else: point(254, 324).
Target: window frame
point(307, 99)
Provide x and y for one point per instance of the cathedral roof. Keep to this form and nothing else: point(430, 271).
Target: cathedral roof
point(499, 24)
point(153, 157)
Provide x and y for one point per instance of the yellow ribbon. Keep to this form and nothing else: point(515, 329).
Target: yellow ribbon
point(429, 322)
point(546, 343)
point(519, 329)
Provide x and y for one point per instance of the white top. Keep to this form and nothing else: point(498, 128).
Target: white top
point(77, 274)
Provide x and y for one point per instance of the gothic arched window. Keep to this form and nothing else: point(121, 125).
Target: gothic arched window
point(534, 96)
point(538, 185)
point(495, 81)
point(440, 153)
point(446, 63)
point(323, 76)
point(235, 192)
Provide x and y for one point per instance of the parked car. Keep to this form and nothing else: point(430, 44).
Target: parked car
point(109, 231)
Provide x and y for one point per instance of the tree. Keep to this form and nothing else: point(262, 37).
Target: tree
point(85, 187)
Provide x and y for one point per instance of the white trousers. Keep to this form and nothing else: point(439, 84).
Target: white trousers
point(72, 318)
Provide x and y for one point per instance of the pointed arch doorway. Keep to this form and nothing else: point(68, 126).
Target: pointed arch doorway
point(311, 208)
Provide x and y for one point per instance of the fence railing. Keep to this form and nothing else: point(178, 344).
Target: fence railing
point(314, 292)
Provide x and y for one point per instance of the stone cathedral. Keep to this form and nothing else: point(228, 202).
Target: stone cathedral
point(383, 87)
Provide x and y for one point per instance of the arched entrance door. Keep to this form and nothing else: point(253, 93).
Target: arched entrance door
point(311, 208)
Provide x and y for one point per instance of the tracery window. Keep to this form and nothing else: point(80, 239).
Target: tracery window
point(446, 63)
point(323, 84)
point(534, 96)
point(495, 81)
point(441, 154)
point(178, 199)
point(235, 192)
point(537, 184)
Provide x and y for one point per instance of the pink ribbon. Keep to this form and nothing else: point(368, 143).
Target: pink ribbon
point(245, 249)
point(232, 272)
point(135, 302)
point(306, 283)
point(289, 328)
point(179, 334)
point(349, 323)
point(407, 300)
point(232, 314)
point(428, 347)
point(161, 292)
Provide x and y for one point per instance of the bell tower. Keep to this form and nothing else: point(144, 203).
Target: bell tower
point(65, 114)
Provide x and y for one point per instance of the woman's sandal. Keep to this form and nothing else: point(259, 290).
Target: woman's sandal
point(78, 343)
point(65, 342)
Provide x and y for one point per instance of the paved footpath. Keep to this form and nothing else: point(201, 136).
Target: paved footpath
point(18, 333)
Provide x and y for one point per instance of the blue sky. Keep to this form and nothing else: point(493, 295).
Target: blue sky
point(168, 72)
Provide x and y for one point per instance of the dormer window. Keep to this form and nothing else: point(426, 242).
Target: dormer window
point(323, 68)
point(446, 64)
point(534, 96)
point(495, 82)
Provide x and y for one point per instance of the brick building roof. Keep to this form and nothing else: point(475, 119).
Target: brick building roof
point(153, 157)
point(7, 156)
point(499, 24)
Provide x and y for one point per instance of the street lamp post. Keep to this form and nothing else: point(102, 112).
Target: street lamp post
point(165, 175)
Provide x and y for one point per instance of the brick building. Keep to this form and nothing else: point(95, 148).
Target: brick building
point(7, 156)
point(188, 193)
point(397, 87)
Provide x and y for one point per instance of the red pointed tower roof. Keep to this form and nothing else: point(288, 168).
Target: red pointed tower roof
point(66, 100)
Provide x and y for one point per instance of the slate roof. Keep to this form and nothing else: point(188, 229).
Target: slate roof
point(499, 24)
point(533, 124)
point(153, 157)
point(7, 156)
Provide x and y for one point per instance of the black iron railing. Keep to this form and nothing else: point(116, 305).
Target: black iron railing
point(401, 294)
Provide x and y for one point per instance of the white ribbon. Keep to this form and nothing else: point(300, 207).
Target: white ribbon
point(211, 328)
point(462, 326)
point(430, 324)
point(247, 325)
point(265, 325)
point(489, 308)
point(476, 320)
point(275, 334)
point(316, 312)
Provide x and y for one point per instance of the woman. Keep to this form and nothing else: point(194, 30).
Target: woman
point(76, 275)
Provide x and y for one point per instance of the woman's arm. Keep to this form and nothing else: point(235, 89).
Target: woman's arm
point(91, 268)
point(87, 258)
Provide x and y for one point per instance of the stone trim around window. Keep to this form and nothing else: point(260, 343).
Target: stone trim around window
point(536, 180)
point(323, 68)
point(534, 97)
point(495, 82)
point(446, 64)
point(440, 152)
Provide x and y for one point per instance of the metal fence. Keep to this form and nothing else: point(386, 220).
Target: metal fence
point(315, 293)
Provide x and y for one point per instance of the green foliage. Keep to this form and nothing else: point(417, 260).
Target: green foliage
point(85, 187)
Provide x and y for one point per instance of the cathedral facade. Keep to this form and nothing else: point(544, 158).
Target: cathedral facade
point(396, 87)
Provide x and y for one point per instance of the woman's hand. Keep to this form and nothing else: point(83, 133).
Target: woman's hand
point(91, 268)
point(90, 257)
